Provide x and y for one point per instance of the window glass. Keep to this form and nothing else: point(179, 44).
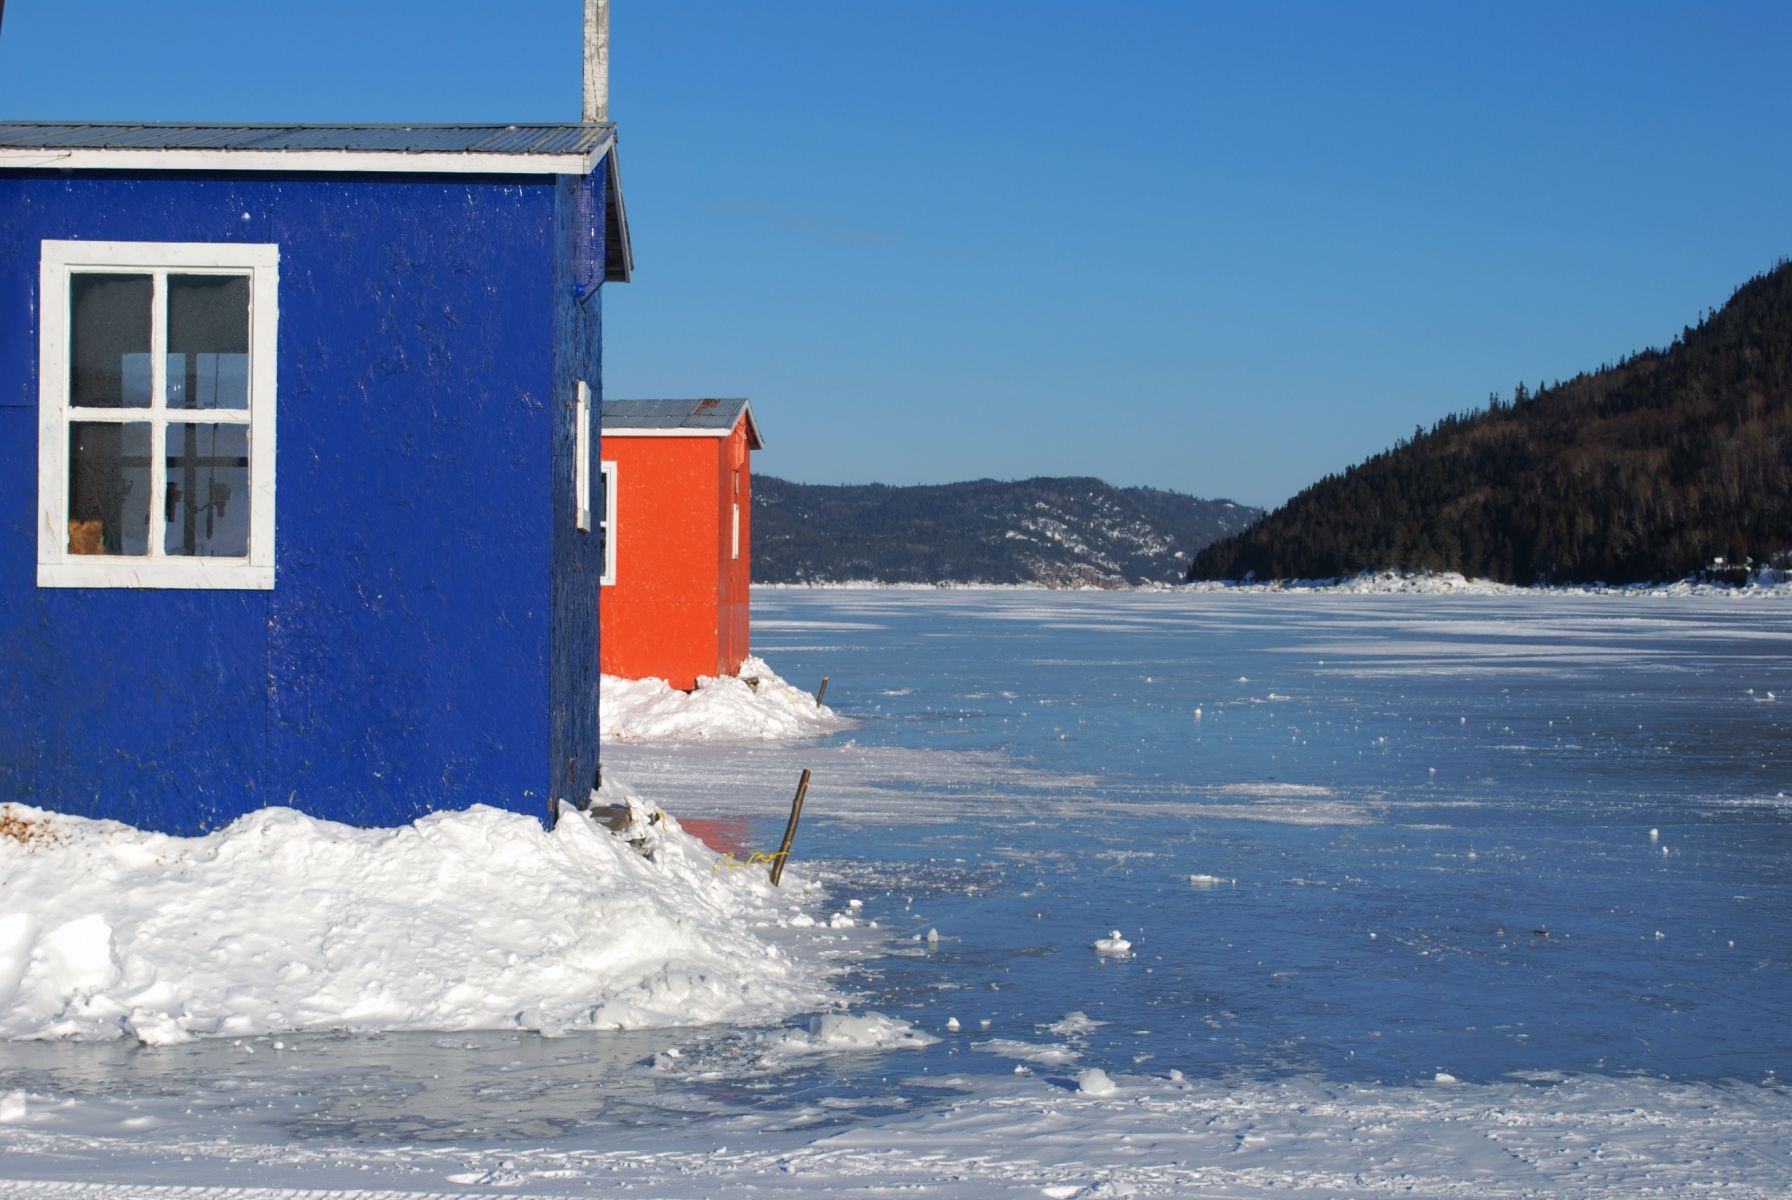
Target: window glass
point(108, 487)
point(109, 318)
point(208, 490)
point(208, 341)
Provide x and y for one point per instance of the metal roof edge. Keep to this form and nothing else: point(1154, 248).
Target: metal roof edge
point(450, 162)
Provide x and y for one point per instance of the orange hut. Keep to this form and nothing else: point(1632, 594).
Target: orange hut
point(677, 515)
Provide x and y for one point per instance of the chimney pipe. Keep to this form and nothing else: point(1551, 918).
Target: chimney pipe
point(597, 60)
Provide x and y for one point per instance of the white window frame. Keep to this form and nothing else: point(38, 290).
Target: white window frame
point(607, 472)
point(61, 260)
point(736, 553)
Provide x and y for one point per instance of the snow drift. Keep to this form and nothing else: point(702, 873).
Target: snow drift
point(466, 920)
point(724, 708)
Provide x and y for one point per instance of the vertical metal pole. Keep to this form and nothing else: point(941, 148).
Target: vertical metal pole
point(796, 810)
point(597, 61)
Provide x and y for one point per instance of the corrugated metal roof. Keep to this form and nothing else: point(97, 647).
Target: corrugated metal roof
point(391, 139)
point(673, 414)
point(706, 416)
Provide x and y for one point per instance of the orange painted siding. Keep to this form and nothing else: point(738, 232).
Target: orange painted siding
point(679, 606)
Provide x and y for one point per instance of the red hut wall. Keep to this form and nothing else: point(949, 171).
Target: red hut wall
point(679, 606)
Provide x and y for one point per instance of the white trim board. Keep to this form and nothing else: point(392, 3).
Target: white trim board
point(321, 161)
point(606, 469)
point(715, 433)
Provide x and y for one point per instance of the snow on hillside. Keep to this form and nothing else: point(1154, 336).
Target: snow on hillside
point(1766, 583)
point(467, 920)
point(1421, 583)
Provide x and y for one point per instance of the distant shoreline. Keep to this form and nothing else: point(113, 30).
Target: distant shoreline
point(1369, 583)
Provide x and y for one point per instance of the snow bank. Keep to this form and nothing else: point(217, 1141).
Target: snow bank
point(723, 708)
point(466, 920)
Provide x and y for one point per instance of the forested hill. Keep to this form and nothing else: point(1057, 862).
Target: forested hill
point(1059, 532)
point(1642, 471)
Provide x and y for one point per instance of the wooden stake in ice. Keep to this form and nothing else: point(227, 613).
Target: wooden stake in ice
point(796, 810)
point(597, 61)
point(821, 691)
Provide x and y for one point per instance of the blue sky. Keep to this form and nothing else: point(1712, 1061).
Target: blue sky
point(1225, 249)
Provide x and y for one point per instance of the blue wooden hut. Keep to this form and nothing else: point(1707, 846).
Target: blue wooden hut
point(296, 451)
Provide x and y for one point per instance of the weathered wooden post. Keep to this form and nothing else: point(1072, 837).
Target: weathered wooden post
point(796, 810)
point(597, 61)
point(821, 691)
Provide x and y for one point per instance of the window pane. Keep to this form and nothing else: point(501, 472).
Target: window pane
point(208, 490)
point(108, 341)
point(208, 341)
point(108, 488)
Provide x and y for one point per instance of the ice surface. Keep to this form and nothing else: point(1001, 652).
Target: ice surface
point(1598, 1138)
point(1440, 842)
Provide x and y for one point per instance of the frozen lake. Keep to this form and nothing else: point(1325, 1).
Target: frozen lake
point(1475, 835)
point(1457, 895)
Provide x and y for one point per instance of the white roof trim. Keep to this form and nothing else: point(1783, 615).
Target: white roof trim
point(323, 161)
point(715, 433)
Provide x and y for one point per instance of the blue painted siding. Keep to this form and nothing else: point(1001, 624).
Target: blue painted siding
point(578, 559)
point(409, 657)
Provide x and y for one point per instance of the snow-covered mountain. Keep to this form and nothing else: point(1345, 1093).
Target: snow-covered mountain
point(1059, 532)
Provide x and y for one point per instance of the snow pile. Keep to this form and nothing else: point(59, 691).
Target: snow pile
point(1094, 1081)
point(844, 1033)
point(467, 920)
point(1074, 1024)
point(1054, 1054)
point(1112, 944)
point(724, 708)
